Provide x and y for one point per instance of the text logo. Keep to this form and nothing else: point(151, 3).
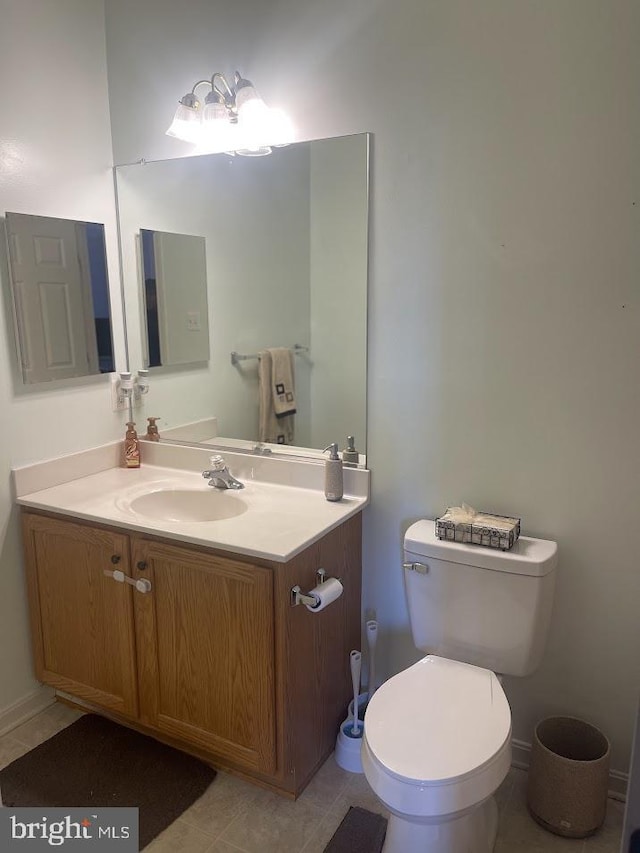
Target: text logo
point(33, 829)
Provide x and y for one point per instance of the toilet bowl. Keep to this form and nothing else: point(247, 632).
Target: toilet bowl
point(436, 746)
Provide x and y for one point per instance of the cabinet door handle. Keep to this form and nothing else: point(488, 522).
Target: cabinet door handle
point(142, 585)
point(117, 575)
point(142, 565)
point(421, 568)
point(115, 559)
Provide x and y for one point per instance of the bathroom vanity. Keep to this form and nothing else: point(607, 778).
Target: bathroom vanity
point(198, 644)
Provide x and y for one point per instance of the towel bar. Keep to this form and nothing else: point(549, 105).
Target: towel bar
point(236, 357)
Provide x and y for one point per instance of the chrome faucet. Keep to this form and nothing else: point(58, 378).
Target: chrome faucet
point(261, 449)
point(219, 475)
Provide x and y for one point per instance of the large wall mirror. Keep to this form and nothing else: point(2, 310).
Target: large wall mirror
point(60, 291)
point(285, 259)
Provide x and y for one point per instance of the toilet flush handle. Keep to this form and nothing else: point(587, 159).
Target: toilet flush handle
point(421, 568)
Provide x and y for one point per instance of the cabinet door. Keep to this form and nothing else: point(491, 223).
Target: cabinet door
point(82, 620)
point(206, 652)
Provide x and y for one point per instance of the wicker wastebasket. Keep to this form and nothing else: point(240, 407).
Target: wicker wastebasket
point(568, 776)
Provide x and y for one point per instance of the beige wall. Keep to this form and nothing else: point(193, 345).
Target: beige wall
point(55, 158)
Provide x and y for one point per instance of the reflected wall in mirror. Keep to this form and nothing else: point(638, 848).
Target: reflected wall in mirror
point(174, 292)
point(60, 291)
point(286, 262)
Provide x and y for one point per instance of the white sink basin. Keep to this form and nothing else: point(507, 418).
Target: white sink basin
point(207, 504)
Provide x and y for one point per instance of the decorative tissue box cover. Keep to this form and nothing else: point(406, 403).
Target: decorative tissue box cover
point(480, 530)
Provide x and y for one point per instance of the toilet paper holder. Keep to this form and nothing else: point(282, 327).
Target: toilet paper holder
point(297, 596)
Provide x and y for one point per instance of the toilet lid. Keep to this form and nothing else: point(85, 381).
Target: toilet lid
point(439, 719)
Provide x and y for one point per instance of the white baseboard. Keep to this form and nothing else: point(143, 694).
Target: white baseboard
point(25, 708)
point(521, 758)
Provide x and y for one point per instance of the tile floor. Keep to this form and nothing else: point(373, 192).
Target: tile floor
point(236, 817)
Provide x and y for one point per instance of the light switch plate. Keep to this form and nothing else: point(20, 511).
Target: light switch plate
point(193, 321)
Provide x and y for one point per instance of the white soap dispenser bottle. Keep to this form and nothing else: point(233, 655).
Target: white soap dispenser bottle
point(333, 474)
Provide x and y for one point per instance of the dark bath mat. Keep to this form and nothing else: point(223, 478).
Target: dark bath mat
point(94, 762)
point(360, 832)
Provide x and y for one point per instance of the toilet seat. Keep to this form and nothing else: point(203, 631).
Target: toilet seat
point(438, 721)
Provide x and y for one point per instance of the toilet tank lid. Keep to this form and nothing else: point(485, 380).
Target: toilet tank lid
point(528, 556)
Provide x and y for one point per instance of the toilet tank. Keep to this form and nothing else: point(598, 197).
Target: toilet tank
point(479, 605)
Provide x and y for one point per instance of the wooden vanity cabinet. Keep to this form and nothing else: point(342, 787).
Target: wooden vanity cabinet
point(207, 654)
point(82, 622)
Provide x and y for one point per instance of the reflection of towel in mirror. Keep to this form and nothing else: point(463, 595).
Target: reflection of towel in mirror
point(282, 381)
point(272, 429)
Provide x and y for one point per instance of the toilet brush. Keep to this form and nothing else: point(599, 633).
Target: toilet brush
point(356, 662)
point(372, 636)
point(349, 740)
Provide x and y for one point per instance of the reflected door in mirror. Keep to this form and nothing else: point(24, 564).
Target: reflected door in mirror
point(60, 293)
point(175, 298)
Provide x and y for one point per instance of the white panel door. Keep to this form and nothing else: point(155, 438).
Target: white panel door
point(181, 287)
point(52, 293)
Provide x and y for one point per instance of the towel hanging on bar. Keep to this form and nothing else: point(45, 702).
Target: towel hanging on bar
point(282, 381)
point(272, 429)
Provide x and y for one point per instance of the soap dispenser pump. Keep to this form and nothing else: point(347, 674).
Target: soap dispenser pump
point(131, 447)
point(333, 474)
point(152, 430)
point(350, 455)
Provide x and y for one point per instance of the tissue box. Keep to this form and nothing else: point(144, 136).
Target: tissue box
point(482, 530)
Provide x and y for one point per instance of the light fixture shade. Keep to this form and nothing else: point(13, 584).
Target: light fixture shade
point(261, 127)
point(216, 125)
point(218, 136)
point(246, 95)
point(213, 113)
point(253, 115)
point(261, 151)
point(186, 122)
point(252, 110)
point(279, 128)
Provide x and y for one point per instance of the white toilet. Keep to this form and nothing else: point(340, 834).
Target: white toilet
point(437, 736)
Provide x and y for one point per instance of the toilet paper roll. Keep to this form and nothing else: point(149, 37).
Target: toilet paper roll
point(325, 594)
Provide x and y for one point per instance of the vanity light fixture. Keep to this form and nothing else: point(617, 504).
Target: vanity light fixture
point(234, 119)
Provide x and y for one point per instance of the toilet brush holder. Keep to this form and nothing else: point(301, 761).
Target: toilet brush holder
point(348, 747)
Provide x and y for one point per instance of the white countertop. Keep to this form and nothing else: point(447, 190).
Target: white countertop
point(280, 520)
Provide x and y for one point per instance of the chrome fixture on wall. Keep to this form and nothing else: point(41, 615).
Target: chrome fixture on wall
point(234, 119)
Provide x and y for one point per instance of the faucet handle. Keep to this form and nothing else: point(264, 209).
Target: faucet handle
point(261, 449)
point(217, 463)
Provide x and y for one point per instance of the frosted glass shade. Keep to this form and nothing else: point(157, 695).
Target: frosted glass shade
point(246, 95)
point(261, 127)
point(214, 112)
point(279, 128)
point(218, 136)
point(260, 151)
point(186, 124)
point(252, 113)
